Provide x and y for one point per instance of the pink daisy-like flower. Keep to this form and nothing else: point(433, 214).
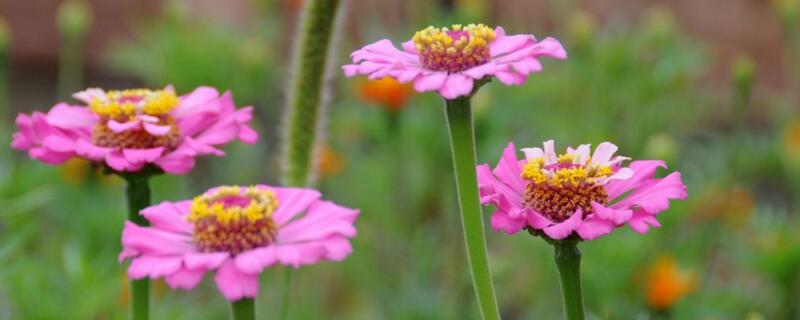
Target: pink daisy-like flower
point(236, 232)
point(129, 129)
point(590, 195)
point(451, 60)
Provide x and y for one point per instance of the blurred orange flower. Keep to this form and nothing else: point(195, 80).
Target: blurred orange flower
point(330, 162)
point(666, 283)
point(386, 92)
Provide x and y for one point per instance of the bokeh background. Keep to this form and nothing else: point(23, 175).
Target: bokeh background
point(711, 86)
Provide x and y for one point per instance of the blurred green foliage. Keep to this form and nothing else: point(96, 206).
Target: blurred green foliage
point(641, 85)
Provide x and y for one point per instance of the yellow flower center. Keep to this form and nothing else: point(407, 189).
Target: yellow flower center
point(456, 49)
point(557, 190)
point(121, 104)
point(233, 219)
point(124, 106)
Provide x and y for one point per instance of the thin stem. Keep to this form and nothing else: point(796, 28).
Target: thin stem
point(138, 193)
point(243, 309)
point(462, 141)
point(287, 293)
point(568, 261)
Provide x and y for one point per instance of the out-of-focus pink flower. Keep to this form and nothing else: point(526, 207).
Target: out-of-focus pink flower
point(236, 232)
point(129, 129)
point(450, 60)
point(575, 192)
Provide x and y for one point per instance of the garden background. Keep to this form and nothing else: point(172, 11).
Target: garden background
point(711, 86)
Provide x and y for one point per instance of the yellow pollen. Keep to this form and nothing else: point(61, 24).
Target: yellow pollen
point(557, 190)
point(124, 104)
point(233, 219)
point(455, 49)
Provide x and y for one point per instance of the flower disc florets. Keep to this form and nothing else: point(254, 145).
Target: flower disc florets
point(455, 49)
point(151, 107)
point(233, 219)
point(558, 190)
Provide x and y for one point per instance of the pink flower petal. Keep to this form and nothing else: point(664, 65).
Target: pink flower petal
point(654, 196)
point(59, 143)
point(90, 151)
point(592, 228)
point(565, 229)
point(180, 161)
point(254, 261)
point(208, 261)
point(152, 241)
point(510, 78)
point(550, 47)
point(157, 130)
point(65, 116)
point(508, 169)
point(323, 220)
point(502, 222)
point(185, 279)
point(642, 221)
point(121, 127)
point(165, 216)
point(235, 284)
point(201, 100)
point(642, 171)
point(603, 153)
point(455, 86)
point(142, 155)
point(430, 82)
point(153, 266)
point(618, 216)
point(292, 201)
point(536, 220)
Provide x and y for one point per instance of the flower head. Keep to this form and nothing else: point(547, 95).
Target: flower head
point(667, 283)
point(236, 232)
point(450, 60)
point(575, 192)
point(129, 129)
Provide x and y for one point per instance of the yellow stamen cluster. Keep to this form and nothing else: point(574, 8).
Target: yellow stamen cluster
point(564, 172)
point(122, 104)
point(454, 49)
point(559, 189)
point(233, 219)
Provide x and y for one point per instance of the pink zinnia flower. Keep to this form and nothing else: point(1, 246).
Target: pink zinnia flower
point(236, 232)
point(451, 60)
point(590, 195)
point(129, 129)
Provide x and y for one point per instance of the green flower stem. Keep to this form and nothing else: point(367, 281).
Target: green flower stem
point(243, 309)
point(462, 141)
point(568, 261)
point(138, 193)
point(306, 91)
point(306, 99)
point(287, 290)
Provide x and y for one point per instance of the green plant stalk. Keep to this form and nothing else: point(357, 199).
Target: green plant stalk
point(243, 309)
point(306, 91)
point(70, 65)
point(138, 193)
point(568, 262)
point(462, 142)
point(305, 103)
